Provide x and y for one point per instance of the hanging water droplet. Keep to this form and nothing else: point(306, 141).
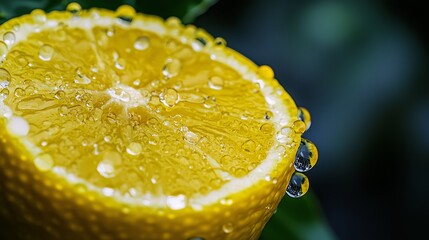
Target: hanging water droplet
point(169, 97)
point(60, 94)
point(46, 52)
point(44, 162)
point(9, 38)
point(177, 202)
point(141, 43)
point(171, 68)
point(74, 8)
point(298, 185)
point(4, 78)
point(266, 71)
point(227, 228)
point(306, 157)
point(134, 148)
point(3, 50)
point(215, 82)
point(304, 115)
point(125, 14)
point(108, 166)
point(299, 127)
point(249, 146)
point(39, 16)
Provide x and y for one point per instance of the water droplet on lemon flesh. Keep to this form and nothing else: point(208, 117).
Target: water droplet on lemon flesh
point(113, 125)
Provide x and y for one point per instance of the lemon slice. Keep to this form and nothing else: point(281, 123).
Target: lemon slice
point(117, 125)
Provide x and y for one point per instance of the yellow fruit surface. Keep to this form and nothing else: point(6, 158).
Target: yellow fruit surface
point(117, 125)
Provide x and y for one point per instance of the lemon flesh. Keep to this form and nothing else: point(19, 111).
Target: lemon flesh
point(142, 129)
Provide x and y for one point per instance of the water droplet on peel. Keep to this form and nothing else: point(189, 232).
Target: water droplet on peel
point(227, 228)
point(108, 166)
point(44, 162)
point(60, 94)
point(18, 126)
point(171, 68)
point(125, 13)
point(80, 77)
point(120, 63)
point(220, 42)
point(177, 202)
point(9, 38)
point(46, 52)
point(249, 146)
point(304, 115)
point(306, 157)
point(267, 128)
point(39, 16)
point(74, 8)
point(19, 92)
point(268, 115)
point(169, 97)
point(298, 185)
point(216, 83)
point(63, 110)
point(141, 43)
point(190, 137)
point(299, 127)
point(266, 71)
point(134, 148)
point(210, 102)
point(172, 22)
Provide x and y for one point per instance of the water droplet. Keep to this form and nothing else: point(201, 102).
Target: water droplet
point(3, 50)
point(120, 63)
point(267, 128)
point(306, 157)
point(74, 8)
point(141, 43)
point(172, 22)
point(169, 97)
point(190, 137)
point(249, 146)
point(266, 71)
point(18, 126)
point(39, 16)
point(198, 44)
point(299, 126)
point(177, 202)
point(108, 166)
point(4, 93)
point(298, 185)
point(63, 110)
point(171, 68)
point(216, 83)
point(304, 115)
point(4, 78)
point(46, 52)
point(227, 228)
point(210, 102)
point(125, 13)
point(134, 148)
point(220, 42)
point(44, 162)
point(9, 38)
point(19, 92)
point(268, 115)
point(80, 77)
point(60, 94)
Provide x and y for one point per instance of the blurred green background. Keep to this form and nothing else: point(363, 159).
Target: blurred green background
point(361, 68)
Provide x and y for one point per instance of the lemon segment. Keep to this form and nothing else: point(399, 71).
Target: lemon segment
point(117, 125)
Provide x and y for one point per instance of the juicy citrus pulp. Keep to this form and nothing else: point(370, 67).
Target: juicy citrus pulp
point(118, 125)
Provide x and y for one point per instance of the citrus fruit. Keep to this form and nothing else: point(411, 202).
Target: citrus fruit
point(119, 125)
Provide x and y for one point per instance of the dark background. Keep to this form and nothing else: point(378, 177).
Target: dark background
point(361, 68)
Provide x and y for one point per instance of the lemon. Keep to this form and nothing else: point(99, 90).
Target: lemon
point(119, 125)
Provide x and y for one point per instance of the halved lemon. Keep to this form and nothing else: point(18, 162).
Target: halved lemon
point(117, 125)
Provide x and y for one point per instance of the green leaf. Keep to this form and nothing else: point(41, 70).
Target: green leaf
point(187, 10)
point(298, 219)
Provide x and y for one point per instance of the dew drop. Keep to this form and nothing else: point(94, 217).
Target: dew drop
point(18, 126)
point(306, 157)
point(169, 97)
point(141, 43)
point(210, 102)
point(249, 146)
point(171, 68)
point(46, 52)
point(108, 166)
point(298, 185)
point(266, 71)
point(134, 148)
point(268, 115)
point(74, 8)
point(215, 82)
point(227, 228)
point(44, 162)
point(9, 38)
point(299, 126)
point(304, 115)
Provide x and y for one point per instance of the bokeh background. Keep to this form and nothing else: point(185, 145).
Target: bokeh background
point(361, 68)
